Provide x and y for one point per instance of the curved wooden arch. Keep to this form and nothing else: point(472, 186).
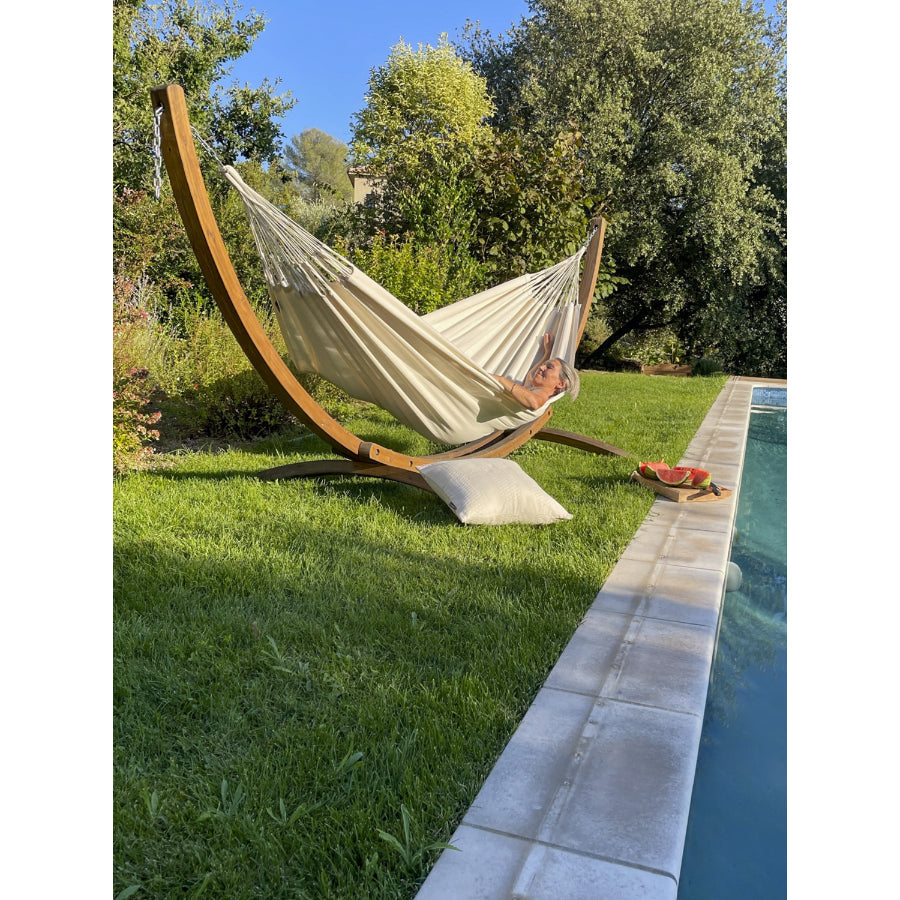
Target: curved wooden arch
point(359, 457)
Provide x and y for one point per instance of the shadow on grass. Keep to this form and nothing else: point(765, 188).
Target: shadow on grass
point(375, 643)
point(387, 567)
point(303, 443)
point(428, 507)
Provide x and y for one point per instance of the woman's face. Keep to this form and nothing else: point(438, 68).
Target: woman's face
point(549, 375)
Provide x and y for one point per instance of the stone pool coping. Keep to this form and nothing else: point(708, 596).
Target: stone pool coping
point(590, 798)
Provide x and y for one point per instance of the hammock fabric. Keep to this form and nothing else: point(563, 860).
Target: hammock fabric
point(432, 372)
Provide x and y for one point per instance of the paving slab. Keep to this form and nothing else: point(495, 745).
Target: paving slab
point(537, 766)
point(714, 515)
point(680, 544)
point(595, 654)
point(667, 667)
point(603, 779)
point(628, 798)
point(675, 593)
point(503, 866)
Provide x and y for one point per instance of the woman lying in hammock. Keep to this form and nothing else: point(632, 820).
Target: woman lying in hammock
point(545, 379)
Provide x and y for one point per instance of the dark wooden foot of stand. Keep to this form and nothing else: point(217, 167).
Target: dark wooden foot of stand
point(318, 467)
point(383, 463)
point(581, 442)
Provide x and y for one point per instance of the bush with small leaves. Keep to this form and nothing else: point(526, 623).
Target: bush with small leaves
point(705, 366)
point(132, 422)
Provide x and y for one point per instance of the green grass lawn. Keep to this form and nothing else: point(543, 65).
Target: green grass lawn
point(298, 664)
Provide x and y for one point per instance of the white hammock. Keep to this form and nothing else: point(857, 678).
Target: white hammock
point(432, 372)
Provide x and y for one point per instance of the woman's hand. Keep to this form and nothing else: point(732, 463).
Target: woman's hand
point(548, 342)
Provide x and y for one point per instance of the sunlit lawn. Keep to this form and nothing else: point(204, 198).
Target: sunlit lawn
point(298, 662)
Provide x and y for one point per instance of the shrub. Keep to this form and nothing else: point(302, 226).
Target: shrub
point(196, 373)
point(653, 348)
point(596, 332)
point(495, 209)
point(207, 380)
point(149, 241)
point(132, 334)
point(315, 216)
point(424, 277)
point(238, 405)
point(131, 421)
point(705, 366)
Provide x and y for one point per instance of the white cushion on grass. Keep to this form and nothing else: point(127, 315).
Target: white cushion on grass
point(491, 492)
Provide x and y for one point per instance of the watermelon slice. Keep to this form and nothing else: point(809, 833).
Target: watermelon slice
point(700, 478)
point(675, 476)
point(649, 469)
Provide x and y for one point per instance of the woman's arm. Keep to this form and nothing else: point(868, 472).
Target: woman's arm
point(528, 398)
point(546, 348)
point(547, 341)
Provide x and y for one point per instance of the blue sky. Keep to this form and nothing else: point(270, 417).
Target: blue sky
point(324, 54)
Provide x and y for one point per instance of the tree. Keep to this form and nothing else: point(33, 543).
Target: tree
point(678, 104)
point(419, 101)
point(754, 314)
point(191, 44)
point(494, 204)
point(530, 200)
point(490, 212)
point(319, 163)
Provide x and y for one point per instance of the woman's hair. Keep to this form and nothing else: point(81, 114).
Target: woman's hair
point(570, 376)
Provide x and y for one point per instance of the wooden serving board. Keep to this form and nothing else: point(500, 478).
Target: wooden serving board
point(679, 494)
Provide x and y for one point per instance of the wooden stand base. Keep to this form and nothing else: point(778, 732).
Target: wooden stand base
point(319, 467)
point(498, 445)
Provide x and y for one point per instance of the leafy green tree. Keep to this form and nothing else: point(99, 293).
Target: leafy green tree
point(531, 203)
point(319, 163)
point(753, 316)
point(455, 210)
point(493, 204)
point(419, 101)
point(493, 210)
point(420, 215)
point(191, 44)
point(678, 103)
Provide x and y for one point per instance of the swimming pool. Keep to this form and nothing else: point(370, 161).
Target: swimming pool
point(735, 844)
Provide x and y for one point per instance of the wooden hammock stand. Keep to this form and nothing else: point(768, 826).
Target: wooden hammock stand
point(358, 457)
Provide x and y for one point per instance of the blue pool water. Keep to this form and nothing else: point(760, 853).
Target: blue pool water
point(735, 846)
